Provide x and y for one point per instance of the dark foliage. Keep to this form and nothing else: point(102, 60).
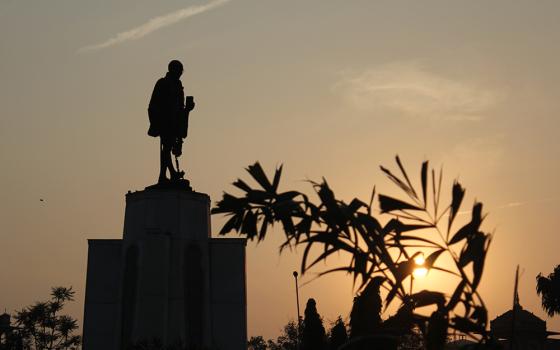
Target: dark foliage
point(41, 327)
point(313, 333)
point(549, 289)
point(418, 224)
point(338, 335)
point(288, 340)
point(256, 343)
point(10, 340)
point(413, 340)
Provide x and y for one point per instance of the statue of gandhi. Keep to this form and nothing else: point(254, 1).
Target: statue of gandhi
point(169, 119)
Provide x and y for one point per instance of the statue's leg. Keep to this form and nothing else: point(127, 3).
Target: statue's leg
point(168, 162)
point(162, 165)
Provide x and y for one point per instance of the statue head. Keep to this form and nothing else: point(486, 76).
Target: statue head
point(175, 68)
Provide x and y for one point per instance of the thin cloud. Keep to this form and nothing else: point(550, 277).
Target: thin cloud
point(154, 24)
point(413, 91)
point(511, 205)
point(518, 204)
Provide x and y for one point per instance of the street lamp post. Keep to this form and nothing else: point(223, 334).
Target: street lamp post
point(297, 304)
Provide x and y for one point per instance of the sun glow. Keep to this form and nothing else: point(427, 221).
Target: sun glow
point(420, 271)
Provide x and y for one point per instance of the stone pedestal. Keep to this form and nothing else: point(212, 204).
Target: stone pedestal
point(167, 279)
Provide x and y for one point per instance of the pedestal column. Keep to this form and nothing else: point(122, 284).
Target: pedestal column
point(166, 268)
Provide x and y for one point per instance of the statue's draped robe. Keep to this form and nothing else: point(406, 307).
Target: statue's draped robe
point(167, 109)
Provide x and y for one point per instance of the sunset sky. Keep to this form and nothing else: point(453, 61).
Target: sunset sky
point(327, 88)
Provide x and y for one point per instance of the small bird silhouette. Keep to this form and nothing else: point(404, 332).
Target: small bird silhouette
point(41, 200)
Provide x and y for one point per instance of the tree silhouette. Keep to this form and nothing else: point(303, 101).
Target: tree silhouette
point(42, 328)
point(419, 224)
point(257, 343)
point(313, 333)
point(549, 290)
point(288, 340)
point(10, 338)
point(338, 335)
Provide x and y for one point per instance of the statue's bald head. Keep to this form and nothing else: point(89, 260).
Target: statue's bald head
point(175, 67)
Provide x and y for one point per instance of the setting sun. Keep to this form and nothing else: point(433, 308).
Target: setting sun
point(420, 271)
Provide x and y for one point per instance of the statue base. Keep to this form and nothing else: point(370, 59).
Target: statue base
point(166, 278)
point(181, 184)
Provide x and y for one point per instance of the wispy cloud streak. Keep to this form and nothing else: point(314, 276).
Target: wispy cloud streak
point(518, 204)
point(411, 90)
point(154, 24)
point(512, 205)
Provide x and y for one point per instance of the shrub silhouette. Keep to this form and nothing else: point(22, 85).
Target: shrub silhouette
point(338, 335)
point(288, 340)
point(256, 343)
point(365, 317)
point(313, 332)
point(41, 327)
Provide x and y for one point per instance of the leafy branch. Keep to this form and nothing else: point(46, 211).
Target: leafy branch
point(387, 251)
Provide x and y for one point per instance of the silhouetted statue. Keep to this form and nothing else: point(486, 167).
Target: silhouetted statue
point(169, 119)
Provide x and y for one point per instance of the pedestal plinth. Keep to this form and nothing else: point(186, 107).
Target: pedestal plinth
point(167, 279)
